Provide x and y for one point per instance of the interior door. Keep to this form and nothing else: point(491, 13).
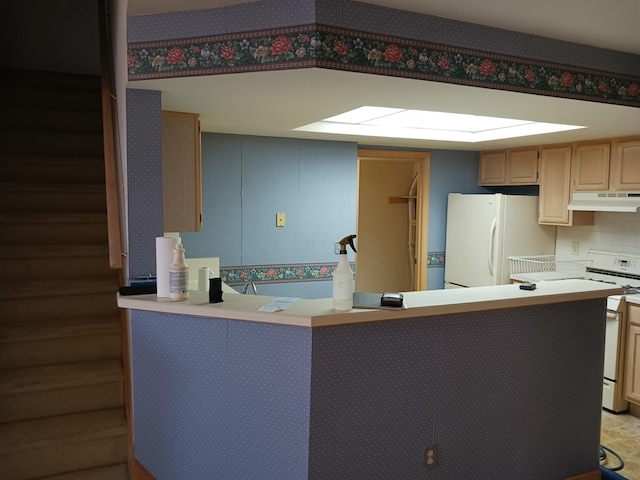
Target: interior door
point(391, 221)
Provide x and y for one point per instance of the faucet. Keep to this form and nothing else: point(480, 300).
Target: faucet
point(253, 286)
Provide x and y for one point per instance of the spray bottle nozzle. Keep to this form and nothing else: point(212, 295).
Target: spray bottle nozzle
point(348, 240)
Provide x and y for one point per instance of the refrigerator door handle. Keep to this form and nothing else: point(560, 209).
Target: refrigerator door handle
point(492, 232)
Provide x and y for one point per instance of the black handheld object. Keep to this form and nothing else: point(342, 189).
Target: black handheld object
point(389, 299)
point(138, 289)
point(527, 286)
point(215, 290)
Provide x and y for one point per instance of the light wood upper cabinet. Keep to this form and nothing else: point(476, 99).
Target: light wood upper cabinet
point(590, 167)
point(555, 178)
point(512, 167)
point(555, 189)
point(181, 172)
point(625, 166)
point(493, 168)
point(632, 364)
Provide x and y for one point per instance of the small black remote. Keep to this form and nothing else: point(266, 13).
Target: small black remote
point(527, 286)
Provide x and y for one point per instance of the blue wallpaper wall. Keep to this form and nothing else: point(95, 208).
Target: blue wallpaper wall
point(240, 400)
point(144, 179)
point(210, 398)
point(356, 15)
point(247, 180)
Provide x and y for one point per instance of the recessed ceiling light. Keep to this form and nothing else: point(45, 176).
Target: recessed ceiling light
point(425, 125)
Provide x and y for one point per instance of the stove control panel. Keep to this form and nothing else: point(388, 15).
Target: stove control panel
point(625, 263)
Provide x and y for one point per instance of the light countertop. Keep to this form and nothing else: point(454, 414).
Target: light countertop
point(319, 312)
point(635, 299)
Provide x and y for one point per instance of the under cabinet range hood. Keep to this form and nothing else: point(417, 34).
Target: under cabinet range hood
point(605, 201)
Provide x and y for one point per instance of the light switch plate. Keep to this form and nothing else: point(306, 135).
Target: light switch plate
point(280, 219)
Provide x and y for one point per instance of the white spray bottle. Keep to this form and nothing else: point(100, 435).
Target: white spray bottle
point(343, 277)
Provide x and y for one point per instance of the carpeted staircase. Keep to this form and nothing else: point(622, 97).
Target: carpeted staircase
point(62, 410)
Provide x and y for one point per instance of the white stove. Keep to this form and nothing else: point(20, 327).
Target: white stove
point(623, 270)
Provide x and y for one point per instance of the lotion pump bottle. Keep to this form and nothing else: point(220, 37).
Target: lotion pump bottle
point(178, 275)
point(343, 277)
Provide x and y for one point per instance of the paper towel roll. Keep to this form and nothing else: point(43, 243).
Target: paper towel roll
point(203, 279)
point(164, 257)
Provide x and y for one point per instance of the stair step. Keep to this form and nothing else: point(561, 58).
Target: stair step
point(54, 267)
point(52, 377)
point(50, 80)
point(46, 288)
point(36, 142)
point(20, 436)
point(60, 306)
point(59, 233)
point(60, 350)
point(51, 218)
point(58, 268)
point(110, 472)
point(51, 169)
point(15, 197)
point(62, 444)
point(46, 251)
point(50, 99)
point(62, 401)
point(51, 120)
point(59, 328)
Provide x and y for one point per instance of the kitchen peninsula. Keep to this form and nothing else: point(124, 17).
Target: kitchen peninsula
point(496, 382)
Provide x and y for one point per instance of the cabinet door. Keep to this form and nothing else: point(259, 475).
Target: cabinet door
point(590, 168)
point(181, 172)
point(493, 168)
point(625, 166)
point(522, 167)
point(632, 365)
point(555, 175)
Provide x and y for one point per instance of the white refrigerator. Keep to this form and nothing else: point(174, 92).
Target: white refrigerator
point(483, 230)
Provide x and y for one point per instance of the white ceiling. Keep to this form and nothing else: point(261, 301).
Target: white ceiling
point(273, 103)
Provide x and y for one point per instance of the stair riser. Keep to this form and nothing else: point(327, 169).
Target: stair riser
point(43, 98)
point(30, 170)
point(56, 268)
point(64, 401)
point(60, 350)
point(52, 81)
point(53, 202)
point(50, 143)
point(28, 289)
point(65, 457)
point(49, 308)
point(51, 120)
point(46, 234)
point(110, 472)
point(59, 328)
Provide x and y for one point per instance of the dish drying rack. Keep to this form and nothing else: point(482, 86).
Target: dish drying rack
point(538, 268)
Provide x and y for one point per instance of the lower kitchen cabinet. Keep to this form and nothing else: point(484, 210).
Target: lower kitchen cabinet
point(632, 365)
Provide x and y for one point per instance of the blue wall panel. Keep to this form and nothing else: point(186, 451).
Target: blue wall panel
point(144, 179)
point(220, 399)
point(237, 400)
point(221, 233)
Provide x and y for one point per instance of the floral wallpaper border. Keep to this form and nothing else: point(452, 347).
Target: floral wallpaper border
point(340, 49)
point(301, 272)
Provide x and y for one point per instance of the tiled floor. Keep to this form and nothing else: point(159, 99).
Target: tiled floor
point(621, 433)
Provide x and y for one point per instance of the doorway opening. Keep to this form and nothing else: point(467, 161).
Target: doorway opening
point(392, 221)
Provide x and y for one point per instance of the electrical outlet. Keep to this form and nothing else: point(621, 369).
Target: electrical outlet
point(430, 456)
point(575, 248)
point(280, 219)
